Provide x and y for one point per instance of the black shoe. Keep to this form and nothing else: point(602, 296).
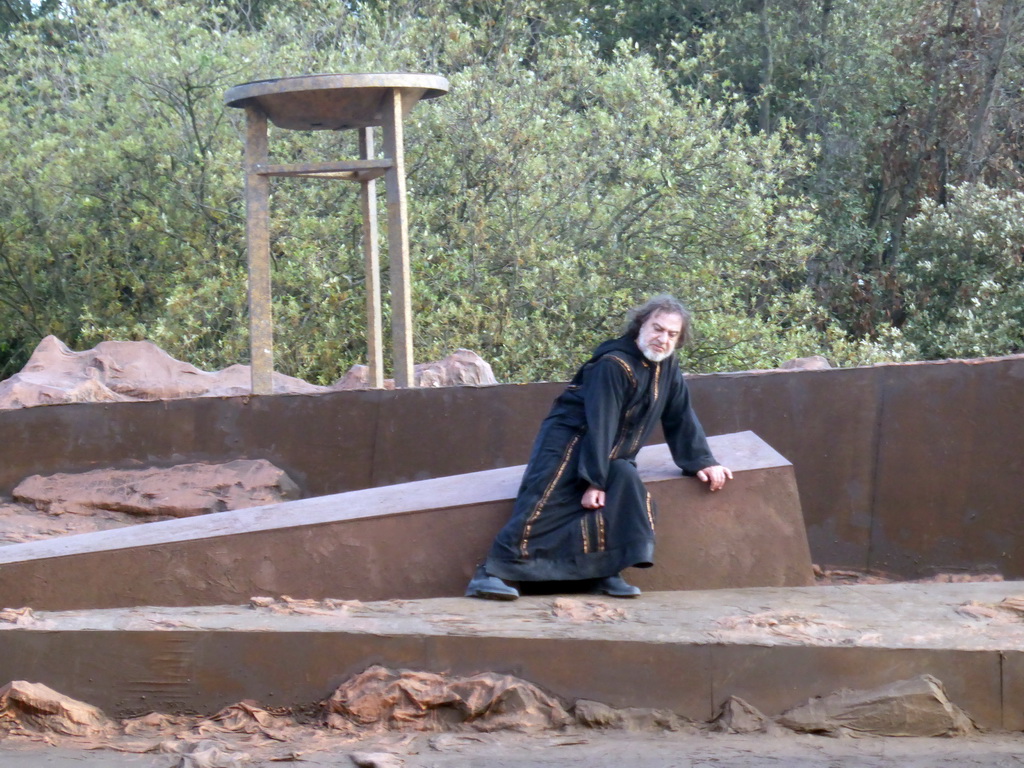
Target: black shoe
point(615, 586)
point(490, 587)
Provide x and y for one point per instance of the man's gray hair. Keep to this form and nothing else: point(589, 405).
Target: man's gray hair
point(637, 316)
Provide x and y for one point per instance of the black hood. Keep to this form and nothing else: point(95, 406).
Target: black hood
point(624, 344)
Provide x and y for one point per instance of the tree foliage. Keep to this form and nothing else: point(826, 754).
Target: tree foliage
point(14, 13)
point(964, 273)
point(904, 100)
point(785, 167)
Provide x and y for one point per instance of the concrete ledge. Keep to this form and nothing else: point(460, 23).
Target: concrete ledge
point(414, 540)
point(684, 651)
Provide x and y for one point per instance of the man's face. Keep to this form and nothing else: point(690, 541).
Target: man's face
point(659, 335)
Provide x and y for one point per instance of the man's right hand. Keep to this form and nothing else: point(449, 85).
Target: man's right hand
point(593, 498)
point(715, 476)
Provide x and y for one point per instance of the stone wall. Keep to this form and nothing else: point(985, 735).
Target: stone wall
point(910, 469)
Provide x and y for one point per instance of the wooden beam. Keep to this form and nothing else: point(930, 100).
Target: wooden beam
point(359, 169)
point(398, 241)
point(257, 201)
point(371, 263)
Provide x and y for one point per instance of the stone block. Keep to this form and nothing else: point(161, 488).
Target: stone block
point(778, 678)
point(413, 540)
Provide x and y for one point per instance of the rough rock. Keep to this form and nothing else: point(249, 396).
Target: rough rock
point(206, 753)
point(117, 371)
point(915, 707)
point(358, 377)
point(385, 699)
point(242, 733)
point(248, 717)
point(594, 714)
point(120, 371)
point(812, 363)
point(23, 522)
point(376, 760)
point(28, 706)
point(181, 491)
point(738, 716)
point(461, 368)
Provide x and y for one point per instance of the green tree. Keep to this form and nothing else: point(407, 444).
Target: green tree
point(964, 273)
point(16, 12)
point(904, 99)
point(758, 160)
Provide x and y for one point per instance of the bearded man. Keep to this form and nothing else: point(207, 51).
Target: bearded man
point(582, 512)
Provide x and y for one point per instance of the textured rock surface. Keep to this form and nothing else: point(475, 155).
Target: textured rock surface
point(381, 698)
point(595, 714)
point(34, 707)
point(461, 368)
point(915, 707)
point(23, 522)
point(119, 371)
point(812, 363)
point(182, 491)
point(739, 716)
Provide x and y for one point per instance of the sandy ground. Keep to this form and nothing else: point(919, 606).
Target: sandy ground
point(588, 749)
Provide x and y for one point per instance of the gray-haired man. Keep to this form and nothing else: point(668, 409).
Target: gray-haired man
point(582, 512)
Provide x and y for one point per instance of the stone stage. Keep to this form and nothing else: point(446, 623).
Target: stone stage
point(374, 577)
point(684, 650)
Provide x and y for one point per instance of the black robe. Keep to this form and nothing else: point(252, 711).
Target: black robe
point(591, 437)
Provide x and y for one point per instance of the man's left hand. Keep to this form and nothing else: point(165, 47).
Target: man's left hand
point(715, 476)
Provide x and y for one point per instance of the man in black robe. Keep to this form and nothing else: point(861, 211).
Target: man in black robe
point(582, 512)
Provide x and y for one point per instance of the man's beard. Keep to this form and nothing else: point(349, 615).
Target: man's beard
point(650, 354)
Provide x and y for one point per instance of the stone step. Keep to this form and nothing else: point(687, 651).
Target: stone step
point(683, 651)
